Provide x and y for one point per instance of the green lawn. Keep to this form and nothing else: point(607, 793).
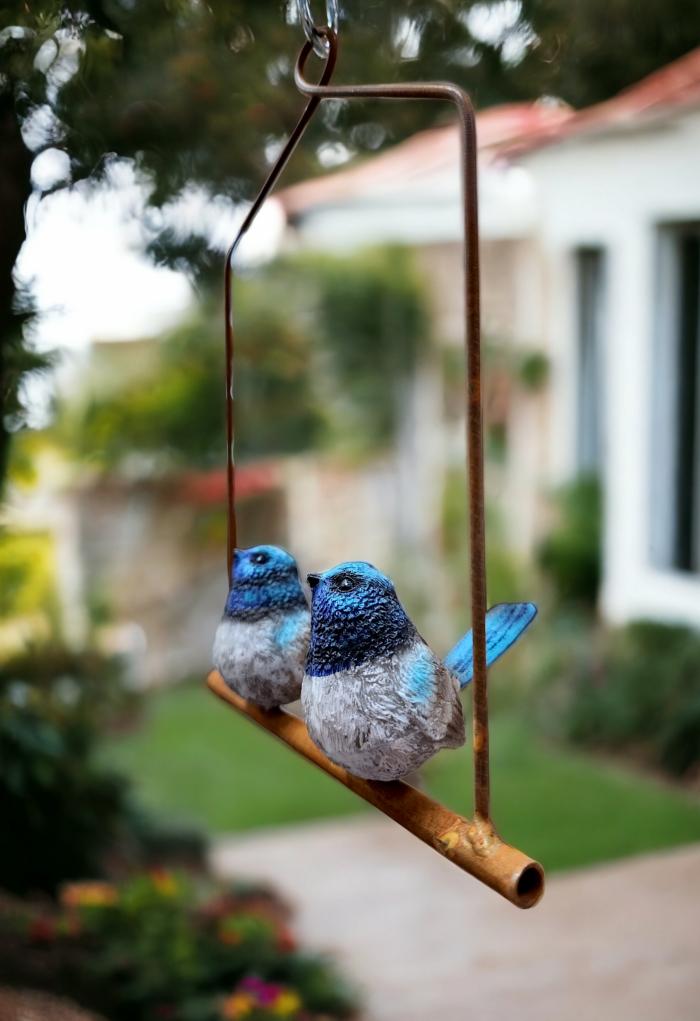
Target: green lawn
point(196, 760)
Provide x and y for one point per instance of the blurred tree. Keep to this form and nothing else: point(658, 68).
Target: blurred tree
point(361, 318)
point(201, 93)
point(372, 319)
point(585, 51)
point(174, 413)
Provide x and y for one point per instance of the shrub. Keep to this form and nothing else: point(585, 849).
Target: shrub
point(571, 555)
point(60, 811)
point(635, 689)
point(159, 946)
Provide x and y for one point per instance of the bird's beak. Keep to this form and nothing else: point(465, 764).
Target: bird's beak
point(313, 580)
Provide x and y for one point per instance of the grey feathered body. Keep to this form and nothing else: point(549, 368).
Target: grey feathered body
point(263, 659)
point(372, 719)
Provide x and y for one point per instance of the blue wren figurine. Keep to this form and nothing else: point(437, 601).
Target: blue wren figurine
point(376, 698)
point(260, 645)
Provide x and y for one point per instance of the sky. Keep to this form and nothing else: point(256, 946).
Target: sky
point(85, 265)
point(84, 259)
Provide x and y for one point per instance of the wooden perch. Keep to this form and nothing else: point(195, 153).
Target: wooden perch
point(473, 845)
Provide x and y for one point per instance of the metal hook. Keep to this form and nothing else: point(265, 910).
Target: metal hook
point(312, 31)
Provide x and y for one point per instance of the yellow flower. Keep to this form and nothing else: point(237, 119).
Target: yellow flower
point(164, 882)
point(286, 1004)
point(237, 1006)
point(89, 895)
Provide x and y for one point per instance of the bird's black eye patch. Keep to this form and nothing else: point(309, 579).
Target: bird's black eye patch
point(260, 558)
point(344, 582)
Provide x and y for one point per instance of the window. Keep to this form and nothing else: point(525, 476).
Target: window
point(677, 456)
point(590, 282)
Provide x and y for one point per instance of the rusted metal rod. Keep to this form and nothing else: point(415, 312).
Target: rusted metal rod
point(473, 846)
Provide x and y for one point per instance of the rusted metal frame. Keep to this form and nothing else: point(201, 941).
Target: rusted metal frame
point(471, 844)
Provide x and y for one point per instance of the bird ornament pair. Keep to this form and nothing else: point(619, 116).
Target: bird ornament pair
point(377, 700)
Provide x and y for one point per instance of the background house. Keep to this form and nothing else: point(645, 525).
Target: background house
point(618, 196)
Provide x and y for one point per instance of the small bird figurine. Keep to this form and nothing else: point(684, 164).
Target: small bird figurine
point(260, 645)
point(376, 698)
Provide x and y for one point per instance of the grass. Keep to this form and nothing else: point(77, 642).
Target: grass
point(196, 761)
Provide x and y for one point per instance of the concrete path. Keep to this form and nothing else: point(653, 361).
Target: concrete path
point(619, 942)
point(30, 1005)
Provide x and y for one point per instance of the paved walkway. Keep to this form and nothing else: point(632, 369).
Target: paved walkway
point(30, 1005)
point(619, 942)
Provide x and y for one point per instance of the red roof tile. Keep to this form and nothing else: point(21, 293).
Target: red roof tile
point(206, 488)
point(675, 86)
point(422, 155)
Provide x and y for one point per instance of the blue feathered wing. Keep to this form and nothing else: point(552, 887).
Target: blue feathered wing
point(505, 623)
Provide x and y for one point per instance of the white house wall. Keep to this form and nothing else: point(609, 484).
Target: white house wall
point(422, 212)
point(615, 192)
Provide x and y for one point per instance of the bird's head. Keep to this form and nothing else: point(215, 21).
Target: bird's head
point(355, 615)
point(263, 578)
point(351, 588)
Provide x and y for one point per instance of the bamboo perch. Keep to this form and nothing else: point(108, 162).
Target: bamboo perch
point(473, 845)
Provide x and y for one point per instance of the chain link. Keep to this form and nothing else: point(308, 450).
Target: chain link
point(311, 31)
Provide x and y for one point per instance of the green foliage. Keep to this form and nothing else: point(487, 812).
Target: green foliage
point(60, 810)
point(174, 412)
point(635, 690)
point(533, 370)
point(571, 555)
point(590, 50)
point(27, 572)
point(372, 323)
point(18, 362)
point(360, 320)
point(159, 945)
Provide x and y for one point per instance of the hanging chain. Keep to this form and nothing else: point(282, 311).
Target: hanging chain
point(312, 31)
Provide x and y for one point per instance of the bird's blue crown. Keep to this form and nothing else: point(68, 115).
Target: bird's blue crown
point(263, 578)
point(355, 616)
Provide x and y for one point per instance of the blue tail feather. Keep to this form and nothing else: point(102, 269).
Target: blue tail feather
point(505, 623)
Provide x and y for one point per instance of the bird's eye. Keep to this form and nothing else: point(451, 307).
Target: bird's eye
point(260, 558)
point(345, 583)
